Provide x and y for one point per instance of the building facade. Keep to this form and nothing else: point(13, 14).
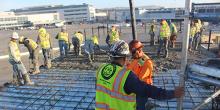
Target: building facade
point(70, 13)
point(10, 20)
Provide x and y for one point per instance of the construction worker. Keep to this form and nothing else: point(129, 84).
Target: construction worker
point(113, 35)
point(116, 86)
point(77, 41)
point(192, 34)
point(45, 42)
point(197, 38)
point(140, 63)
point(173, 36)
point(152, 33)
point(64, 42)
point(164, 37)
point(89, 49)
point(33, 49)
point(19, 70)
point(95, 41)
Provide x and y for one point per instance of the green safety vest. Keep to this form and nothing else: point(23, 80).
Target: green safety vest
point(110, 94)
point(114, 36)
point(164, 31)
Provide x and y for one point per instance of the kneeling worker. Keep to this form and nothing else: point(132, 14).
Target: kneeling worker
point(19, 70)
point(33, 49)
point(117, 87)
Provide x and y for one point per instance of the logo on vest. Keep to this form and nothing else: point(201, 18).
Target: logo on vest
point(108, 71)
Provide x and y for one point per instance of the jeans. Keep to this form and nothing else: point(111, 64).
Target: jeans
point(196, 40)
point(76, 45)
point(63, 48)
point(163, 43)
point(18, 70)
point(190, 42)
point(47, 55)
point(89, 49)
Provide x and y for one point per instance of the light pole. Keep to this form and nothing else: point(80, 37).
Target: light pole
point(133, 19)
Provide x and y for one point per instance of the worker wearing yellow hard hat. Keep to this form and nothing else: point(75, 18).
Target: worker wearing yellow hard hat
point(45, 42)
point(164, 34)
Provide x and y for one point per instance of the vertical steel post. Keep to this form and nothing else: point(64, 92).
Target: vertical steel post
point(133, 19)
point(98, 32)
point(85, 34)
point(92, 31)
point(210, 35)
point(185, 43)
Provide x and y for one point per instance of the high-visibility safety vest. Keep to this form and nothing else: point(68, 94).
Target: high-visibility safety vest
point(95, 40)
point(80, 37)
point(173, 28)
point(32, 44)
point(192, 31)
point(114, 36)
point(16, 54)
point(44, 41)
point(164, 31)
point(110, 94)
point(63, 36)
point(143, 69)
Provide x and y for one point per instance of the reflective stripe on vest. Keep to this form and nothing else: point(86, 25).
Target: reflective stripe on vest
point(63, 36)
point(32, 43)
point(45, 41)
point(110, 93)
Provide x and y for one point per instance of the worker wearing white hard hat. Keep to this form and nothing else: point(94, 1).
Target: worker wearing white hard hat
point(20, 75)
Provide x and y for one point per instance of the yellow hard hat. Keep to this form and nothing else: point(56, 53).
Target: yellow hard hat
point(21, 39)
point(42, 31)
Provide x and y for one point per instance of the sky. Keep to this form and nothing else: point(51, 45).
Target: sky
point(6, 5)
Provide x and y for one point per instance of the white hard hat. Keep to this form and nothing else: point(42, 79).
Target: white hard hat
point(15, 35)
point(119, 49)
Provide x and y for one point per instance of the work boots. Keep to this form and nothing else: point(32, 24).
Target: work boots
point(36, 69)
point(27, 80)
point(48, 64)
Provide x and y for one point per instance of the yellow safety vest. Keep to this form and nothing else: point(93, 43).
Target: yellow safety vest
point(95, 40)
point(17, 54)
point(44, 40)
point(80, 37)
point(164, 31)
point(110, 94)
point(32, 44)
point(114, 36)
point(63, 36)
point(192, 31)
point(173, 28)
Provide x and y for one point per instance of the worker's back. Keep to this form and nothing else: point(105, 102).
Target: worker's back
point(110, 88)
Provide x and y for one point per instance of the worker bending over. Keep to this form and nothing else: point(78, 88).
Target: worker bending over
point(77, 41)
point(64, 42)
point(118, 87)
point(95, 41)
point(19, 70)
point(164, 38)
point(45, 42)
point(33, 49)
point(89, 49)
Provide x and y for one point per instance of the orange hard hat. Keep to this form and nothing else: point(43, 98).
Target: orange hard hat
point(135, 45)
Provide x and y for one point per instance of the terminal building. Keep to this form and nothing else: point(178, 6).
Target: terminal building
point(207, 11)
point(10, 20)
point(70, 13)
